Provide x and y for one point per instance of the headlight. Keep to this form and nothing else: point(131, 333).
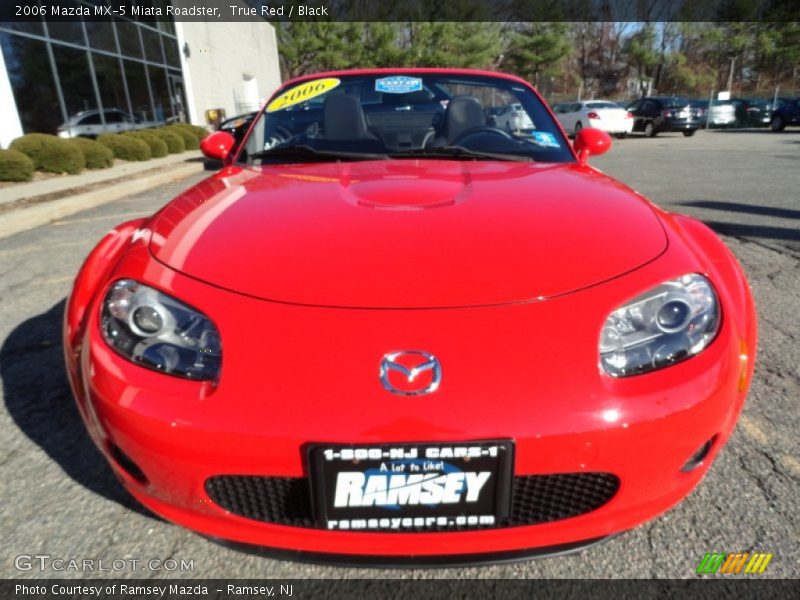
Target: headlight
point(670, 323)
point(159, 332)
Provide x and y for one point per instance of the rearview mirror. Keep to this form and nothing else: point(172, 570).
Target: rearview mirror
point(218, 145)
point(590, 141)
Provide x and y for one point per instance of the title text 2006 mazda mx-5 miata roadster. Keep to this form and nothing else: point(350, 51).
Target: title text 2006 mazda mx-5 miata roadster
point(389, 330)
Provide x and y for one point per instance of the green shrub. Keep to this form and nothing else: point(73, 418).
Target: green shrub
point(15, 166)
point(97, 155)
point(158, 147)
point(125, 147)
point(196, 130)
point(175, 143)
point(50, 153)
point(190, 140)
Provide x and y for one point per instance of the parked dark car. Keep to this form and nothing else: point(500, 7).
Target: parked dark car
point(752, 112)
point(657, 114)
point(702, 110)
point(785, 113)
point(238, 126)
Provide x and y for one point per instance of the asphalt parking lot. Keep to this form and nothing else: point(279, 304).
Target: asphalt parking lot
point(61, 499)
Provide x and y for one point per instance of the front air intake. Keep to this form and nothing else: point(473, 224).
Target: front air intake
point(536, 499)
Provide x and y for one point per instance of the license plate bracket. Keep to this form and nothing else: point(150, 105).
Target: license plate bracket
point(411, 486)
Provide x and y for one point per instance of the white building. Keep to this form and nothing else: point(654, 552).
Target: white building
point(156, 70)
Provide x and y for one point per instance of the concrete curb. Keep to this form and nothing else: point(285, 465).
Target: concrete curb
point(40, 214)
point(65, 184)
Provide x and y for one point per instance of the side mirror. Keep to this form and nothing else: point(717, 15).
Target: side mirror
point(218, 145)
point(591, 142)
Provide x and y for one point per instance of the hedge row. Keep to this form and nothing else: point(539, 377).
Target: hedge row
point(174, 142)
point(52, 154)
point(157, 146)
point(125, 146)
point(97, 156)
point(15, 166)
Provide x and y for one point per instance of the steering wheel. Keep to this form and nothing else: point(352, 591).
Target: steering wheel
point(279, 135)
point(483, 129)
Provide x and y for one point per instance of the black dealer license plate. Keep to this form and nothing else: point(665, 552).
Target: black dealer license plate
point(419, 486)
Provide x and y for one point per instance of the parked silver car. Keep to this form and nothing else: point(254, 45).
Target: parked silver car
point(722, 113)
point(89, 123)
point(513, 117)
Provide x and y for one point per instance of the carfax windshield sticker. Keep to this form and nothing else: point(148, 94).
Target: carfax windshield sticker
point(545, 138)
point(398, 84)
point(301, 93)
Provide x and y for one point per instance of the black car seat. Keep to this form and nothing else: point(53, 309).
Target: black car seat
point(462, 114)
point(343, 119)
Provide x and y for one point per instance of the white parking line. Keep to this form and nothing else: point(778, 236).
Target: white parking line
point(791, 463)
point(38, 247)
point(753, 430)
point(124, 216)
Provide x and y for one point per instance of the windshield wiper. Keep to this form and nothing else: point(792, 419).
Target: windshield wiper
point(460, 152)
point(304, 153)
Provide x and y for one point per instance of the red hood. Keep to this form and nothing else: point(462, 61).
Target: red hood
point(407, 234)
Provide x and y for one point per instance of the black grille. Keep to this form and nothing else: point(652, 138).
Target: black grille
point(535, 499)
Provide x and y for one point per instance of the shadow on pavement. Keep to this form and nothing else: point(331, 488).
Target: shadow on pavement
point(755, 231)
point(756, 130)
point(783, 213)
point(790, 234)
point(39, 400)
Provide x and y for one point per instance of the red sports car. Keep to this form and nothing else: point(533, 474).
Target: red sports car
point(389, 330)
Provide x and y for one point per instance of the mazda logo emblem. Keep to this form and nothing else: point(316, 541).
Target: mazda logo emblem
point(410, 372)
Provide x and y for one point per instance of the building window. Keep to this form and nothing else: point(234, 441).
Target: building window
point(136, 76)
point(110, 82)
point(34, 27)
point(67, 31)
point(31, 77)
point(152, 46)
point(75, 78)
point(101, 35)
point(58, 69)
point(167, 26)
point(171, 52)
point(128, 36)
point(163, 104)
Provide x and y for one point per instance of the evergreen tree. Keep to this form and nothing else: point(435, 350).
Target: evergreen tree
point(536, 49)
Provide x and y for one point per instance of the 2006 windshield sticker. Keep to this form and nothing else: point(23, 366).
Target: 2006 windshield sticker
point(301, 93)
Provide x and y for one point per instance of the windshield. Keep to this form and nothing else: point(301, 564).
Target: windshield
point(675, 102)
point(398, 116)
point(601, 105)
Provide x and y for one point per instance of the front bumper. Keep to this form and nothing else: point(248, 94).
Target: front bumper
point(612, 127)
point(294, 375)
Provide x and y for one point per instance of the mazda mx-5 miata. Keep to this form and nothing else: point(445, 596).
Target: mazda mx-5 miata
point(389, 330)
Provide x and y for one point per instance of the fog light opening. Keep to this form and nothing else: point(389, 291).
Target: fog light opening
point(126, 463)
point(696, 459)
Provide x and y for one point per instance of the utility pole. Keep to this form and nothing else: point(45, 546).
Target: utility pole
point(730, 76)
